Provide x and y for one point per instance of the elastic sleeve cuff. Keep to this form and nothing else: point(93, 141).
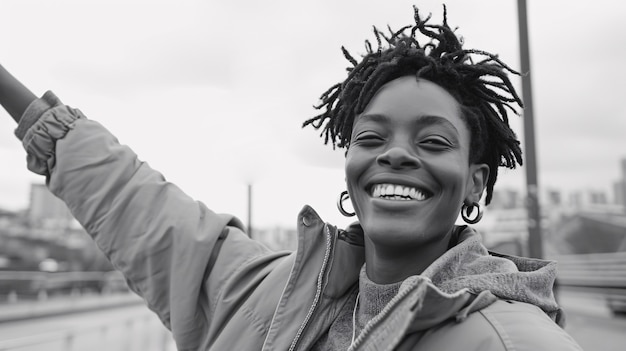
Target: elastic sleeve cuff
point(45, 121)
point(34, 111)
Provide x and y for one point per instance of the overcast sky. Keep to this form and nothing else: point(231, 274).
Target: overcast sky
point(213, 93)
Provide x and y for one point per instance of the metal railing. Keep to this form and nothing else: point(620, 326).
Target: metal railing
point(16, 285)
point(155, 338)
point(602, 274)
point(32, 295)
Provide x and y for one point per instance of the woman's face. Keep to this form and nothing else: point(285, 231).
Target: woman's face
point(407, 167)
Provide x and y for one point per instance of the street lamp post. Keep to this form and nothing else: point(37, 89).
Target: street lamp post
point(535, 248)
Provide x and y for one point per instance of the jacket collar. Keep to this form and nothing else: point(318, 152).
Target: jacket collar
point(463, 280)
point(303, 288)
point(469, 265)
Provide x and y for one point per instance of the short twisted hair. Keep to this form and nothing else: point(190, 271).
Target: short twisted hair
point(477, 79)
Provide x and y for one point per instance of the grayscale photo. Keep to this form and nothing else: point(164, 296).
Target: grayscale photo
point(327, 175)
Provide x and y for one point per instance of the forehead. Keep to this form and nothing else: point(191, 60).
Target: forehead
point(407, 99)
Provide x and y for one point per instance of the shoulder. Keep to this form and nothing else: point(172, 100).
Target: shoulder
point(522, 326)
point(502, 326)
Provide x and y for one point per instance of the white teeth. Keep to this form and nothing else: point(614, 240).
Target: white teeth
point(388, 190)
point(420, 196)
point(376, 192)
point(397, 192)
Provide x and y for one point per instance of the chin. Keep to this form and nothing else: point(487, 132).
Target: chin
point(398, 232)
point(392, 233)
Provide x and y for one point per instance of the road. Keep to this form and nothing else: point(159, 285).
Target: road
point(133, 328)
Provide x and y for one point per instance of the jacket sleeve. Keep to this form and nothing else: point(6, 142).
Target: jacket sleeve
point(159, 238)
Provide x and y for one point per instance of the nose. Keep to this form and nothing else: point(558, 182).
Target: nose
point(398, 158)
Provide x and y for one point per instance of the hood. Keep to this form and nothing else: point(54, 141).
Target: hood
point(467, 278)
point(468, 265)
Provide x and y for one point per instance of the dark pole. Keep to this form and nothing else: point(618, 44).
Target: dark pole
point(532, 188)
point(250, 210)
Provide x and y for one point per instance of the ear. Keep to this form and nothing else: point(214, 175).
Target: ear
point(477, 182)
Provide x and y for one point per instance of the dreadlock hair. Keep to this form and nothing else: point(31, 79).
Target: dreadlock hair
point(482, 88)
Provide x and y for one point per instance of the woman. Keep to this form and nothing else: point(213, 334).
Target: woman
point(425, 130)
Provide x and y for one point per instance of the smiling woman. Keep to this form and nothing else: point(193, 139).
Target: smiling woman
point(410, 138)
point(425, 127)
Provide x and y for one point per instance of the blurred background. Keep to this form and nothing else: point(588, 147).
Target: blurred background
point(213, 95)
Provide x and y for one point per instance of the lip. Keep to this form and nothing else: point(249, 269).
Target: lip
point(399, 180)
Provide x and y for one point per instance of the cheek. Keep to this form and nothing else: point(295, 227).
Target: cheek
point(353, 167)
point(348, 168)
point(451, 172)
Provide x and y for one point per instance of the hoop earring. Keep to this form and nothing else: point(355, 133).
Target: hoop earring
point(342, 197)
point(466, 211)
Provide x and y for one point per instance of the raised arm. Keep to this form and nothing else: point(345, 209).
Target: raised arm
point(14, 96)
point(182, 258)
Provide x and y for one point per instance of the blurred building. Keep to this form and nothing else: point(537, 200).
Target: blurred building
point(554, 198)
point(619, 187)
point(619, 193)
point(506, 199)
point(587, 198)
point(6, 218)
point(277, 238)
point(46, 210)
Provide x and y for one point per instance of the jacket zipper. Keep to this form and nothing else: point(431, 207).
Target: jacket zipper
point(318, 292)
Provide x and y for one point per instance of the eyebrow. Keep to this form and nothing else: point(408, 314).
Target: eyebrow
point(422, 121)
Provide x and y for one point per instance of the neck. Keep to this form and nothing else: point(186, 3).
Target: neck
point(391, 264)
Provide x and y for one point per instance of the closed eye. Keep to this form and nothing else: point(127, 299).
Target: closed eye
point(368, 139)
point(436, 143)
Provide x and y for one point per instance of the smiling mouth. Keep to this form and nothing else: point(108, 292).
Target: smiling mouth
point(398, 192)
